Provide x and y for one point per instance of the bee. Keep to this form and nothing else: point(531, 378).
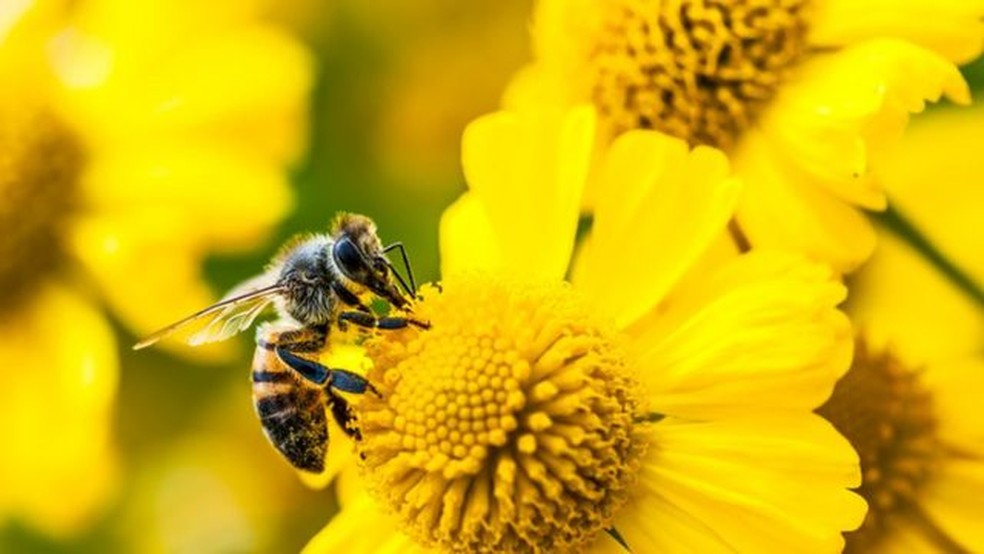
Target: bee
point(317, 283)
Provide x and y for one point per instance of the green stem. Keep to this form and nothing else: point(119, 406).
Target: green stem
point(893, 220)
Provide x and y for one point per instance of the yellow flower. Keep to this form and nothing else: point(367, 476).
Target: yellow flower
point(654, 395)
point(135, 139)
point(802, 95)
point(911, 402)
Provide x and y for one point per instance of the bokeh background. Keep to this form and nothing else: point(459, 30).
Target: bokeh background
point(397, 81)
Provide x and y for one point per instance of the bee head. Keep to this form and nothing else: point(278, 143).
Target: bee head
point(358, 254)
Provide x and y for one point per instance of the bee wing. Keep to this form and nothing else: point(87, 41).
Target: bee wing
point(231, 315)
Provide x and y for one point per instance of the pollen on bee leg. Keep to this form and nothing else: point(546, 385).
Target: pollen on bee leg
point(507, 426)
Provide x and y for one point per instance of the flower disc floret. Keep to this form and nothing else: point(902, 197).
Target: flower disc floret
point(696, 69)
point(508, 426)
point(889, 418)
point(40, 164)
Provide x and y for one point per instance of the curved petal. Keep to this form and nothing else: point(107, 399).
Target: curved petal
point(663, 205)
point(149, 277)
point(780, 210)
point(361, 527)
point(120, 84)
point(956, 385)
point(467, 240)
point(57, 388)
point(528, 170)
point(901, 303)
point(203, 191)
point(953, 501)
point(755, 484)
point(760, 335)
point(952, 28)
point(841, 109)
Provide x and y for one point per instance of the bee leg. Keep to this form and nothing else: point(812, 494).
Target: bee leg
point(369, 320)
point(347, 381)
point(344, 416)
point(310, 370)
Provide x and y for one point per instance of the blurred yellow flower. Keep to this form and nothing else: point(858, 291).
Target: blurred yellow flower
point(219, 488)
point(911, 402)
point(655, 396)
point(135, 138)
point(802, 95)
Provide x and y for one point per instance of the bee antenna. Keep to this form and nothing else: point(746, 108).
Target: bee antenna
point(412, 288)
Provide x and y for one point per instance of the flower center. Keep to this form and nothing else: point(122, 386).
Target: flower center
point(880, 407)
point(699, 70)
point(507, 426)
point(40, 162)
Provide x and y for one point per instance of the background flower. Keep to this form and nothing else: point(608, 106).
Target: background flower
point(802, 95)
point(122, 170)
point(913, 394)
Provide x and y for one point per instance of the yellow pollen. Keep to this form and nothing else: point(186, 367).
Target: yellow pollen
point(529, 443)
point(882, 409)
point(699, 70)
point(40, 162)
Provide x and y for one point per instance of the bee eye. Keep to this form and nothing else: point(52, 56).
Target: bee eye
point(349, 259)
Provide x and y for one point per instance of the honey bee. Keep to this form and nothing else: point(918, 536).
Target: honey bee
point(316, 283)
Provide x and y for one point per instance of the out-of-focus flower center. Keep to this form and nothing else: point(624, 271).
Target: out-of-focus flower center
point(40, 162)
point(507, 426)
point(888, 417)
point(696, 69)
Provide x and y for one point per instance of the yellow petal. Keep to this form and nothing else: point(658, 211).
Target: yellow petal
point(953, 501)
point(467, 240)
point(902, 303)
point(956, 384)
point(762, 333)
point(756, 484)
point(57, 389)
point(840, 110)
point(361, 527)
point(642, 238)
point(245, 87)
point(149, 277)
point(199, 192)
point(528, 170)
point(953, 28)
point(778, 209)
point(652, 523)
point(907, 536)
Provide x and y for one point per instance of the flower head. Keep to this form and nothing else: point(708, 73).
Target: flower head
point(650, 399)
point(910, 402)
point(803, 96)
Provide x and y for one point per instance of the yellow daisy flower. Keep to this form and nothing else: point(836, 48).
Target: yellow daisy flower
point(911, 402)
point(653, 395)
point(802, 95)
point(135, 138)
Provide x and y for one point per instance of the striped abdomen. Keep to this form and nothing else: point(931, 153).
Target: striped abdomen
point(291, 411)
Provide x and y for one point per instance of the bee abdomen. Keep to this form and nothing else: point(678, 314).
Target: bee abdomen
point(295, 423)
point(264, 376)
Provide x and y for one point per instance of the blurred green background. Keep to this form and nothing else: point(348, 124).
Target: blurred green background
point(397, 82)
